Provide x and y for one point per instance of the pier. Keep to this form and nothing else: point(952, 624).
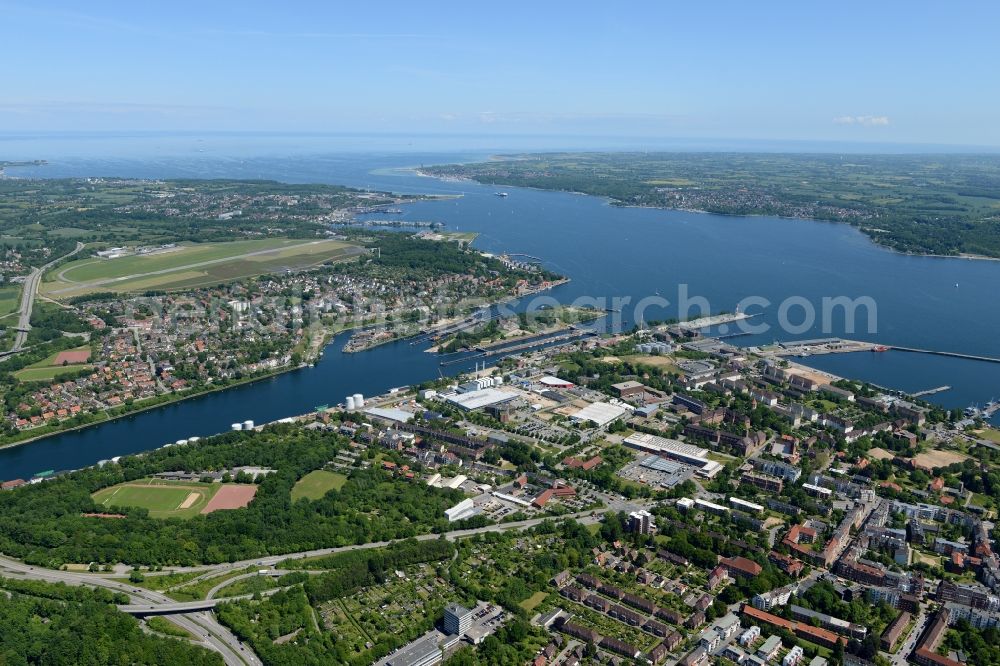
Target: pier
point(513, 349)
point(714, 320)
point(529, 257)
point(971, 357)
point(931, 391)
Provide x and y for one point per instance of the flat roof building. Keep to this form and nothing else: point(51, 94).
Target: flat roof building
point(479, 399)
point(601, 413)
point(422, 652)
point(464, 509)
point(457, 619)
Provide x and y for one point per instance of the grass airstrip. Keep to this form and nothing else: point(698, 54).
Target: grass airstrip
point(192, 265)
point(316, 484)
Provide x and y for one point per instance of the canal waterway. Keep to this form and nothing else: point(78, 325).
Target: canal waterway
point(609, 253)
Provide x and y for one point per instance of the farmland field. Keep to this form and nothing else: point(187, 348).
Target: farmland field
point(316, 484)
point(163, 499)
point(192, 265)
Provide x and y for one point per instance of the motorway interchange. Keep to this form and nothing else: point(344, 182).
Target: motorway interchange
point(197, 617)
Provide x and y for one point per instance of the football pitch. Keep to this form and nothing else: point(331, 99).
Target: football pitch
point(163, 499)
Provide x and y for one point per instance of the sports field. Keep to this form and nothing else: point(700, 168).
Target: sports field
point(192, 265)
point(316, 484)
point(231, 496)
point(48, 368)
point(163, 499)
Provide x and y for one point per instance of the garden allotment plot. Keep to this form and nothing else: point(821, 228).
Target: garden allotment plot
point(192, 265)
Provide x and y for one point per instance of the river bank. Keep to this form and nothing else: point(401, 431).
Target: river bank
point(170, 400)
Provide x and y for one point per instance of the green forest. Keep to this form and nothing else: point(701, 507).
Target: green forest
point(44, 524)
point(54, 624)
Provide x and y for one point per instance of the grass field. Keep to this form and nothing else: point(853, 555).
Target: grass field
point(665, 363)
point(192, 265)
point(532, 602)
point(165, 626)
point(163, 499)
point(990, 434)
point(939, 458)
point(46, 369)
point(48, 373)
point(316, 484)
point(10, 300)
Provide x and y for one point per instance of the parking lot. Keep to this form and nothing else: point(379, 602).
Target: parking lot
point(656, 472)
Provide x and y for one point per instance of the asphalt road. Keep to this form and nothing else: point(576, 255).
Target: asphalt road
point(906, 649)
point(203, 626)
point(28, 299)
point(195, 616)
point(211, 570)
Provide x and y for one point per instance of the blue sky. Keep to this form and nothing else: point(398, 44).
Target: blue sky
point(908, 72)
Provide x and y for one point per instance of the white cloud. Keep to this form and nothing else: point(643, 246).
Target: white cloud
point(864, 121)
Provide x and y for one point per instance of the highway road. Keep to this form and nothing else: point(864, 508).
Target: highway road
point(28, 299)
point(203, 626)
point(196, 616)
point(212, 570)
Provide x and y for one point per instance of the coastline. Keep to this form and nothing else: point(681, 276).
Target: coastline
point(618, 204)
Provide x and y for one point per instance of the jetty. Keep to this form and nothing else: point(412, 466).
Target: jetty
point(933, 352)
point(930, 391)
point(504, 351)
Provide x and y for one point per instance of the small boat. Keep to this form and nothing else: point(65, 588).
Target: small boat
point(500, 194)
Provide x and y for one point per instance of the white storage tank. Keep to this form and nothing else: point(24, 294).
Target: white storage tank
point(359, 400)
point(237, 426)
point(248, 425)
point(350, 402)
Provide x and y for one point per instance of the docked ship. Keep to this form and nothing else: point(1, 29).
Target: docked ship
point(880, 348)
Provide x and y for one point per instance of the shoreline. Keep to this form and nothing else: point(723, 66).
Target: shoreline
point(172, 401)
point(493, 304)
point(328, 337)
point(618, 204)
